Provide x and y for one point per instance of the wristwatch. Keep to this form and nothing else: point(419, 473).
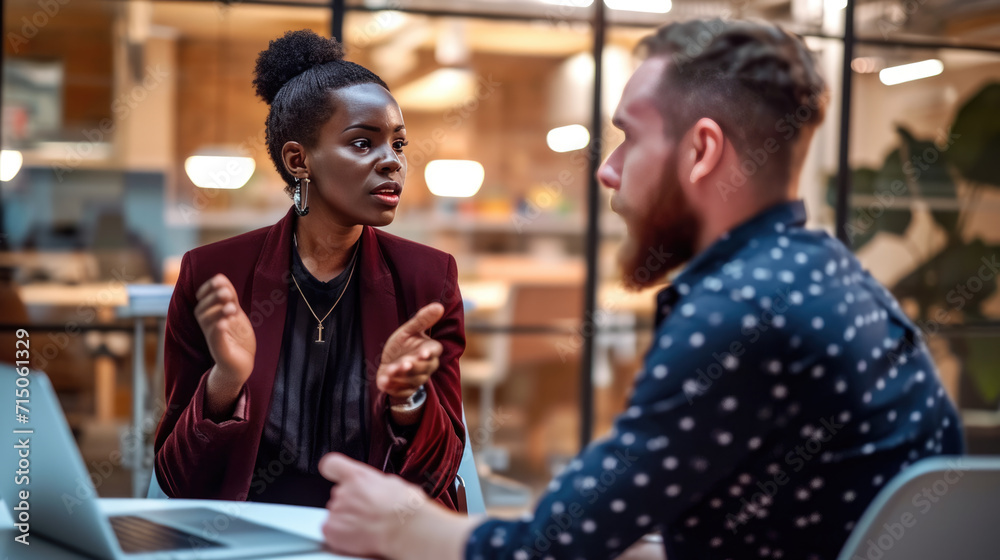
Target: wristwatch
point(413, 402)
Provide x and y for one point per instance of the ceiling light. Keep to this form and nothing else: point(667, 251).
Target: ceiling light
point(219, 168)
point(10, 164)
point(867, 64)
point(910, 72)
point(454, 177)
point(568, 138)
point(647, 6)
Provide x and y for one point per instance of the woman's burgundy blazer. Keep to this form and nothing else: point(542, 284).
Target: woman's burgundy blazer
point(198, 458)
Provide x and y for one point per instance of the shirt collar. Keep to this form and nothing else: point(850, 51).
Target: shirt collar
point(776, 219)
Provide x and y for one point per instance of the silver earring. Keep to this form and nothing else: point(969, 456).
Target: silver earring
point(301, 199)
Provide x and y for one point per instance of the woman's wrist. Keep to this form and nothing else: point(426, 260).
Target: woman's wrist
point(221, 395)
point(407, 411)
point(412, 401)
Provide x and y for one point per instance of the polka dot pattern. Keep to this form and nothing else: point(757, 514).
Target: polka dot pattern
point(775, 357)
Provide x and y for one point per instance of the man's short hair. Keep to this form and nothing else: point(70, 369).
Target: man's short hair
point(756, 80)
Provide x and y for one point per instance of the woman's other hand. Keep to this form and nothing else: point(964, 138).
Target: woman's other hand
point(231, 342)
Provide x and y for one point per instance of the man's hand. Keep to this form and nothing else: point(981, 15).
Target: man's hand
point(410, 356)
point(644, 550)
point(231, 341)
point(378, 515)
point(367, 508)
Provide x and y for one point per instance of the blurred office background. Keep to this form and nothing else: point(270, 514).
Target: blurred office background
point(105, 102)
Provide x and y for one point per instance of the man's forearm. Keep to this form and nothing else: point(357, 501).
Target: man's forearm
point(432, 533)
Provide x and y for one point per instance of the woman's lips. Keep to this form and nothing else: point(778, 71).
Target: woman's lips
point(387, 199)
point(388, 193)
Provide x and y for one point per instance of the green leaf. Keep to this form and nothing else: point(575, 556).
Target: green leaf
point(868, 217)
point(860, 227)
point(891, 182)
point(976, 136)
point(950, 281)
point(927, 165)
point(982, 365)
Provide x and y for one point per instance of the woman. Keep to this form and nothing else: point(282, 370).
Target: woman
point(291, 341)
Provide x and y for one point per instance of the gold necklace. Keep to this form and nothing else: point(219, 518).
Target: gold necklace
point(319, 325)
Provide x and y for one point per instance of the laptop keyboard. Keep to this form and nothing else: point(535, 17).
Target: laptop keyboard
point(136, 534)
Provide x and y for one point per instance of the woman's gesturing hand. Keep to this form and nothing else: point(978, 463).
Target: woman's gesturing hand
point(410, 356)
point(231, 342)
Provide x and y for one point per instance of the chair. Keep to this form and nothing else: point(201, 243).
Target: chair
point(941, 507)
point(528, 305)
point(466, 483)
point(155, 492)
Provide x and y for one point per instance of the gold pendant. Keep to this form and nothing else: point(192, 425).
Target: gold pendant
point(319, 332)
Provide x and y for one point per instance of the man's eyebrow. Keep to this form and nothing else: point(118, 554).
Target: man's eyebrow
point(372, 128)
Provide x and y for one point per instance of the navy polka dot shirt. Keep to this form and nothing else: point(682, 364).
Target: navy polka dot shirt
point(783, 389)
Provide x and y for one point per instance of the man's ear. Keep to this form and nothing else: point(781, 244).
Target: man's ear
point(293, 155)
point(704, 146)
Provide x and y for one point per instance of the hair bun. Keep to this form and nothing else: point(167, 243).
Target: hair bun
point(289, 56)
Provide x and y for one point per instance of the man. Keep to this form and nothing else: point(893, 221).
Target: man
point(784, 386)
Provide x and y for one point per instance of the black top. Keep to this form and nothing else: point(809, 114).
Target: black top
point(320, 396)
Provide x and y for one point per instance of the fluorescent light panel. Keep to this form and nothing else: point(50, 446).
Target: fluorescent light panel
point(10, 164)
point(910, 72)
point(568, 138)
point(459, 178)
point(647, 6)
point(218, 171)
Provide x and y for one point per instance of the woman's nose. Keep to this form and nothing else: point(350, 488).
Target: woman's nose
point(390, 162)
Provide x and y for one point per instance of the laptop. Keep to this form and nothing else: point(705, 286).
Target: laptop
point(61, 502)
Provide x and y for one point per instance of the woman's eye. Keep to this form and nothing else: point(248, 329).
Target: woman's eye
point(362, 144)
point(399, 145)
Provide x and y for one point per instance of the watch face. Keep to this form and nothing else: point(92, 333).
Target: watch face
point(417, 397)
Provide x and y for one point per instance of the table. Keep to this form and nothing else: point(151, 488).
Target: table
point(92, 294)
point(300, 520)
point(103, 297)
point(137, 302)
point(144, 300)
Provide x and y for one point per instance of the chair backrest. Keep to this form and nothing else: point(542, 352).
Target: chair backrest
point(941, 507)
point(469, 475)
point(467, 472)
point(155, 492)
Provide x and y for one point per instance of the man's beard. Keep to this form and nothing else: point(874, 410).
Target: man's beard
point(665, 242)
